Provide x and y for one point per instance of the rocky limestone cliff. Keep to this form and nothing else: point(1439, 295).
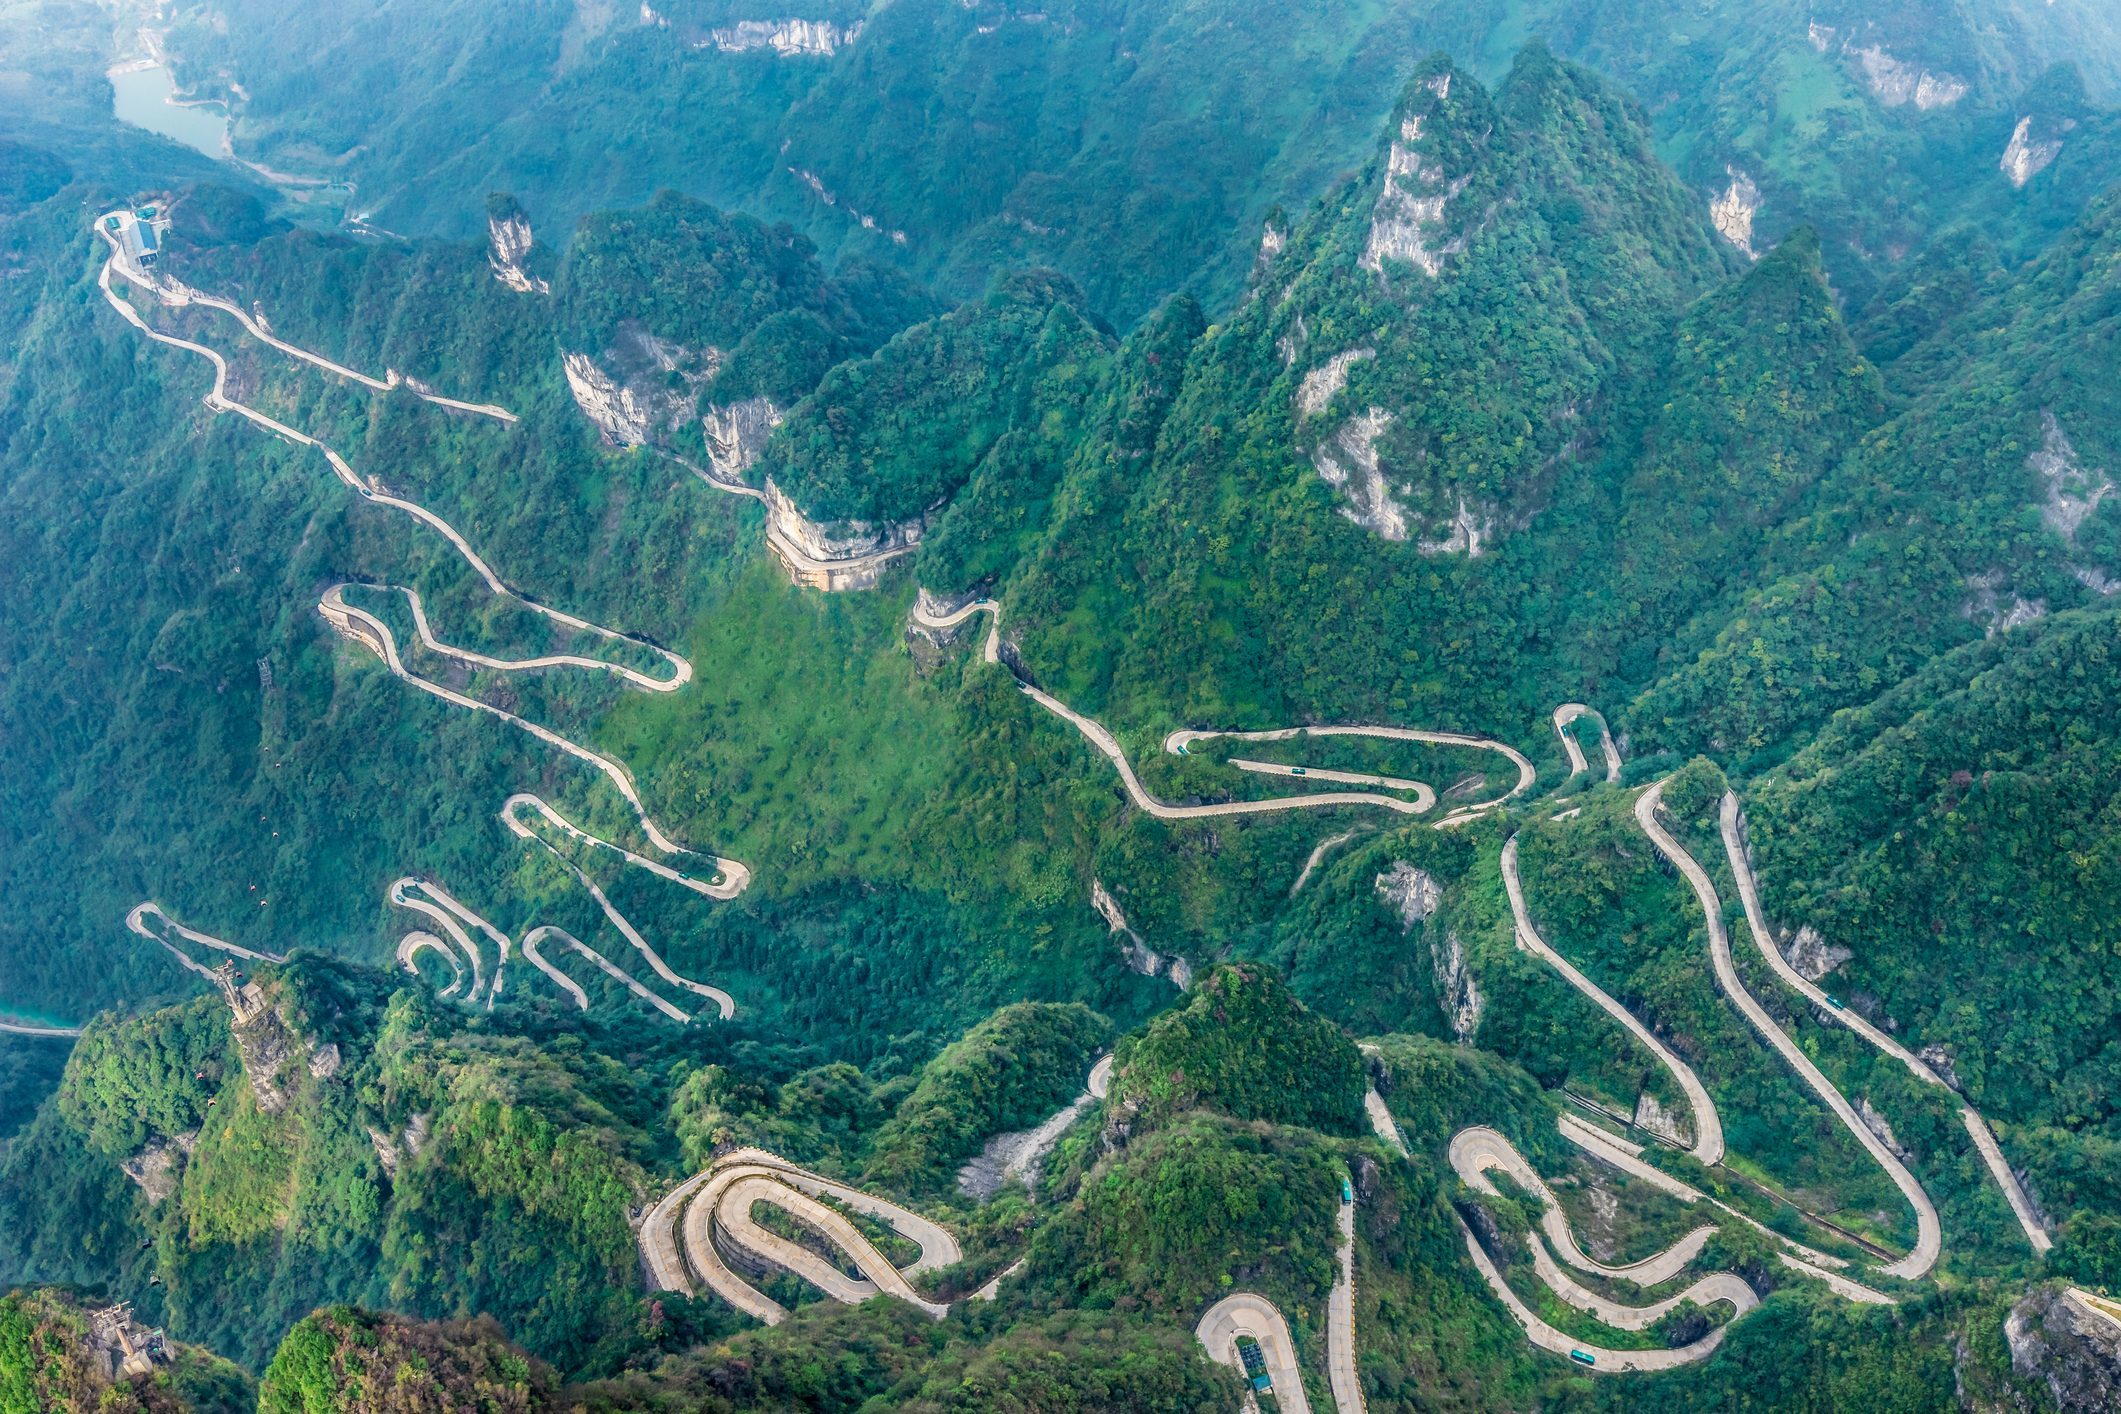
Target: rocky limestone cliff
point(2072, 1351)
point(510, 241)
point(1408, 220)
point(1653, 1117)
point(2073, 490)
point(630, 392)
point(1894, 82)
point(838, 539)
point(1987, 605)
point(1409, 892)
point(737, 433)
point(1349, 462)
point(1456, 991)
point(1812, 955)
point(2025, 157)
point(156, 1166)
point(1732, 212)
point(1323, 383)
point(787, 38)
point(1141, 958)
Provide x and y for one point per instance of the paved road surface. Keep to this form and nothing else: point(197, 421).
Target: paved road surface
point(1732, 821)
point(1243, 1313)
point(1476, 1150)
point(1928, 1235)
point(1108, 745)
point(23, 1028)
point(1342, 1372)
point(1708, 1126)
point(1568, 712)
point(714, 1207)
point(137, 921)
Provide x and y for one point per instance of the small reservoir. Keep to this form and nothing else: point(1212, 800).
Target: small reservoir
point(141, 96)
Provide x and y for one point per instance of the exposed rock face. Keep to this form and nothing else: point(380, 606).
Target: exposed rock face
point(1986, 606)
point(1652, 1116)
point(1940, 1060)
point(392, 1152)
point(825, 194)
point(1732, 213)
point(2024, 158)
point(1456, 991)
point(1894, 82)
point(2072, 1350)
point(1018, 1155)
point(1471, 527)
point(1812, 955)
point(1407, 223)
point(324, 1062)
point(2073, 490)
point(847, 554)
point(1349, 463)
point(638, 401)
point(787, 38)
point(1324, 382)
point(1411, 893)
point(1273, 239)
point(1140, 956)
point(1876, 1124)
point(737, 433)
point(614, 409)
point(156, 1166)
point(510, 241)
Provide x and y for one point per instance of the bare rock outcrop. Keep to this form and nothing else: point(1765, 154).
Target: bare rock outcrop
point(1411, 893)
point(2074, 1352)
point(1407, 224)
point(640, 390)
point(2025, 156)
point(1653, 1117)
point(2072, 490)
point(1812, 955)
point(1988, 605)
point(1732, 212)
point(845, 554)
point(1894, 82)
point(509, 241)
point(1456, 992)
point(1140, 957)
point(1349, 462)
point(787, 38)
point(156, 1167)
point(1323, 383)
point(1876, 1123)
point(737, 433)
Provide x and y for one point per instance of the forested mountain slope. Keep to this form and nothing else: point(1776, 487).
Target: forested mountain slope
point(1132, 144)
point(1354, 674)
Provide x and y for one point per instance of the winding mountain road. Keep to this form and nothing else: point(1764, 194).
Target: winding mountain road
point(24, 1028)
point(1731, 820)
point(137, 921)
point(365, 628)
point(712, 1210)
point(176, 295)
point(1243, 1313)
point(1108, 745)
point(1928, 1234)
point(1708, 1126)
point(1567, 713)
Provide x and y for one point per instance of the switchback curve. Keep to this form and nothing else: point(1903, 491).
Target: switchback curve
point(1108, 745)
point(1708, 1126)
point(1731, 820)
point(1928, 1233)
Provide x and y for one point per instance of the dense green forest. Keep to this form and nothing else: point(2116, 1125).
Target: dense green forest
point(1740, 370)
